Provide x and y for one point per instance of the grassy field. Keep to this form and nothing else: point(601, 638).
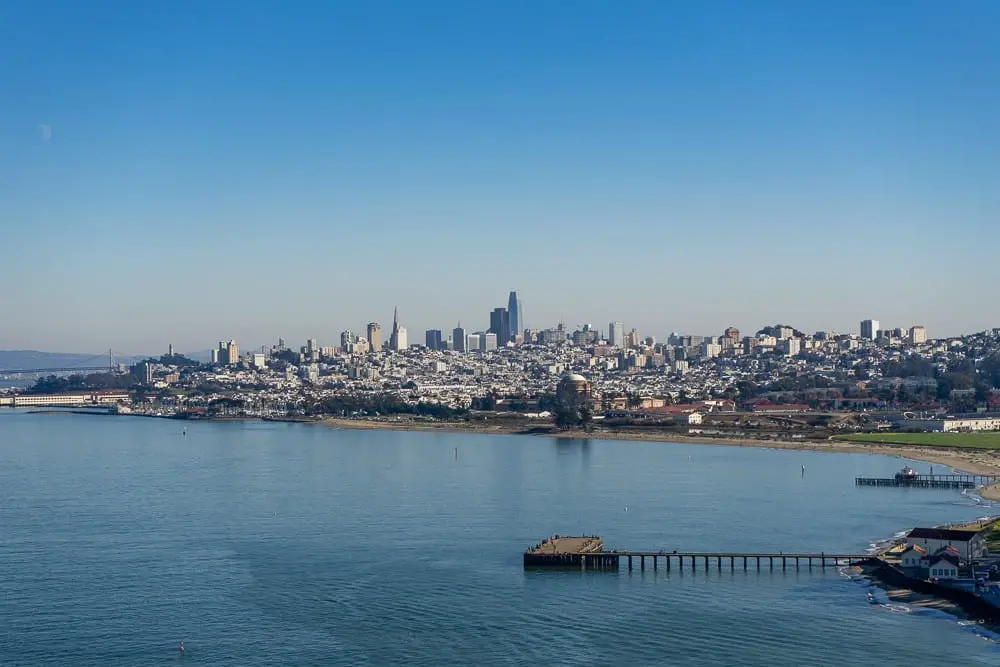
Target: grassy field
point(993, 538)
point(985, 440)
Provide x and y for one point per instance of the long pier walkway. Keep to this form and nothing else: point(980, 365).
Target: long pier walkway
point(587, 553)
point(959, 481)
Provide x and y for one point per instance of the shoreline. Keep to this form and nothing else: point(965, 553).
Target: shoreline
point(972, 461)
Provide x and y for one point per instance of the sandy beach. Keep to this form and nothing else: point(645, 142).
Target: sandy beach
point(963, 460)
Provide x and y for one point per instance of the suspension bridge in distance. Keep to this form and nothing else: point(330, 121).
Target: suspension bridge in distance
point(86, 366)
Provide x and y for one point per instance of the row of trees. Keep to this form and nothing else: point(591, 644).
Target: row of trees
point(960, 375)
point(177, 360)
point(379, 404)
point(54, 384)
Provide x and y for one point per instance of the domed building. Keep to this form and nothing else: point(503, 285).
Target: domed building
point(575, 382)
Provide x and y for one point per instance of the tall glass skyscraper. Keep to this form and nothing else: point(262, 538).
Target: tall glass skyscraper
point(514, 315)
point(500, 325)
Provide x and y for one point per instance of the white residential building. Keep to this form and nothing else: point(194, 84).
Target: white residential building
point(969, 544)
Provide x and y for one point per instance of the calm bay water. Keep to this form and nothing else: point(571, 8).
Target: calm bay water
point(281, 544)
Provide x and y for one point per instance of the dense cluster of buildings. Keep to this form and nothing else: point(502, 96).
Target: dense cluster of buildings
point(775, 370)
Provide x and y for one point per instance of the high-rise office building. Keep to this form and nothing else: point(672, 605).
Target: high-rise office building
point(632, 339)
point(918, 334)
point(515, 316)
point(459, 339)
point(791, 346)
point(616, 334)
point(395, 343)
point(710, 350)
point(434, 339)
point(228, 354)
point(395, 328)
point(143, 372)
point(488, 342)
point(346, 338)
point(375, 336)
point(500, 325)
point(472, 342)
point(869, 329)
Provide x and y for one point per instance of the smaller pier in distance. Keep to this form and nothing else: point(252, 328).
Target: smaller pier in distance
point(961, 481)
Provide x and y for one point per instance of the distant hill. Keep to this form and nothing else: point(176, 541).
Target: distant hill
point(13, 359)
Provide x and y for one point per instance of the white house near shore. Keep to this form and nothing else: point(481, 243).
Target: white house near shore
point(913, 555)
point(969, 544)
point(943, 567)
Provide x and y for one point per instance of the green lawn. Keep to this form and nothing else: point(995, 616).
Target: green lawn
point(985, 440)
point(993, 538)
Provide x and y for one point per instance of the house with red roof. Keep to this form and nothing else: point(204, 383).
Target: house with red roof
point(969, 544)
point(914, 555)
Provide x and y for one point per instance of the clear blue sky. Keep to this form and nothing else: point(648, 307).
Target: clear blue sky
point(182, 172)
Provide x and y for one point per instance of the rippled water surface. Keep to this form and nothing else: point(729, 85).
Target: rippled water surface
point(280, 544)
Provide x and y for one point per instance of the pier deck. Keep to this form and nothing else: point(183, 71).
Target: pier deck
point(960, 481)
point(586, 553)
point(568, 545)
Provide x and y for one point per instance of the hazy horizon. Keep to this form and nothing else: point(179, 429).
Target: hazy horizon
point(180, 173)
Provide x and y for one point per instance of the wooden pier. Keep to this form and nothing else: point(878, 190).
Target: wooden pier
point(961, 481)
point(587, 553)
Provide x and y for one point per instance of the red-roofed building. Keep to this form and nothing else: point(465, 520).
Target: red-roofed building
point(948, 550)
point(914, 556)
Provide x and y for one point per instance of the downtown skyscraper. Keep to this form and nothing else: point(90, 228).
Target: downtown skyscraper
point(500, 325)
point(515, 318)
point(397, 339)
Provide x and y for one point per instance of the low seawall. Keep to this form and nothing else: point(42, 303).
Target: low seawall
point(973, 605)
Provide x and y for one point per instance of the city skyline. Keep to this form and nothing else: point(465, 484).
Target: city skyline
point(332, 335)
point(203, 173)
